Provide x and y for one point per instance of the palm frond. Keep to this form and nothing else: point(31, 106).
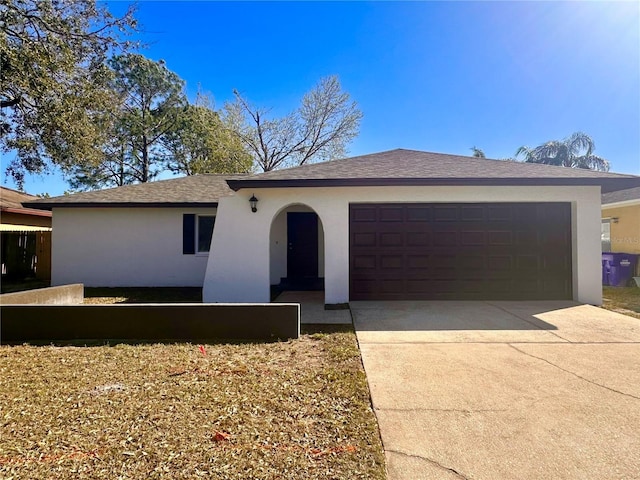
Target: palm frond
point(525, 151)
point(578, 142)
point(575, 151)
point(592, 162)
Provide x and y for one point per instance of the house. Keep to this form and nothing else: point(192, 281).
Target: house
point(621, 221)
point(400, 224)
point(25, 236)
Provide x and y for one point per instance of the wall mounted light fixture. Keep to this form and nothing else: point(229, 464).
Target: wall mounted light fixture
point(253, 201)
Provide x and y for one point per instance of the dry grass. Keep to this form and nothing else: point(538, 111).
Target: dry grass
point(143, 295)
point(295, 410)
point(624, 300)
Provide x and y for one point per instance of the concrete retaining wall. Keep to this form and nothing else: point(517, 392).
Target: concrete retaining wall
point(62, 295)
point(184, 322)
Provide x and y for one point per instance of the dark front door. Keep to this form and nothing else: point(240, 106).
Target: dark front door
point(302, 245)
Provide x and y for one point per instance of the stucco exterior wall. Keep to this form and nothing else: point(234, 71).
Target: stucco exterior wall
point(625, 233)
point(124, 247)
point(239, 265)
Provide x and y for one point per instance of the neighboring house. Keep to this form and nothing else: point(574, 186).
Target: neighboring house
point(25, 237)
point(621, 221)
point(395, 225)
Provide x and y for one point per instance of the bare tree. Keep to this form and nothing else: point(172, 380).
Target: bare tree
point(320, 129)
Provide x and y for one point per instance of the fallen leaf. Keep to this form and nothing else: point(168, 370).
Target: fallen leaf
point(221, 436)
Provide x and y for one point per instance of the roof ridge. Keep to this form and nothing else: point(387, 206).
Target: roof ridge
point(294, 167)
point(479, 160)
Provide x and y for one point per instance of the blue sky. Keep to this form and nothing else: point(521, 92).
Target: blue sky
point(436, 76)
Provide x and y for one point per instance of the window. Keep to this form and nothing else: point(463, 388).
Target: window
point(197, 231)
point(605, 235)
point(205, 232)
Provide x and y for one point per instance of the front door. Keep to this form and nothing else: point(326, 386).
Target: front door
point(302, 245)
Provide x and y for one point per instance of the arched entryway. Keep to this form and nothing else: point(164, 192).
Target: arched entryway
point(296, 250)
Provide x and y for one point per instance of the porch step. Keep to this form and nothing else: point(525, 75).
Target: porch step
point(301, 284)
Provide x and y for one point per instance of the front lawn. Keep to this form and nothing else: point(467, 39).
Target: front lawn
point(624, 300)
point(294, 410)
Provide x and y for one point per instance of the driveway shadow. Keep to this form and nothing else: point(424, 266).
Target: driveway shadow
point(454, 315)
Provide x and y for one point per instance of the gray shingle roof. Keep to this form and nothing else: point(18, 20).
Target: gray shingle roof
point(13, 199)
point(394, 167)
point(621, 196)
point(401, 163)
point(411, 167)
point(202, 190)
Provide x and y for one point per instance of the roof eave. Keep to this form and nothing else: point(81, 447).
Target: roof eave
point(51, 205)
point(622, 203)
point(606, 184)
point(26, 211)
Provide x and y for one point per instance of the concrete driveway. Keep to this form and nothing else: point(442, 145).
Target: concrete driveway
point(503, 390)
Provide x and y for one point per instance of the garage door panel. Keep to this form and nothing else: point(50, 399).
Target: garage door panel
point(460, 251)
point(500, 263)
point(500, 238)
point(527, 238)
point(445, 238)
point(472, 262)
point(418, 261)
point(444, 261)
point(363, 286)
point(364, 240)
point(418, 239)
point(471, 286)
point(525, 285)
point(391, 239)
point(392, 262)
point(553, 263)
point(364, 215)
point(552, 285)
point(443, 213)
point(500, 213)
point(392, 285)
point(472, 214)
point(552, 238)
point(473, 238)
point(499, 286)
point(364, 262)
point(526, 263)
point(419, 213)
point(391, 214)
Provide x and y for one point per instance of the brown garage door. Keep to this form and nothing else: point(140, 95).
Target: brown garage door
point(460, 251)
